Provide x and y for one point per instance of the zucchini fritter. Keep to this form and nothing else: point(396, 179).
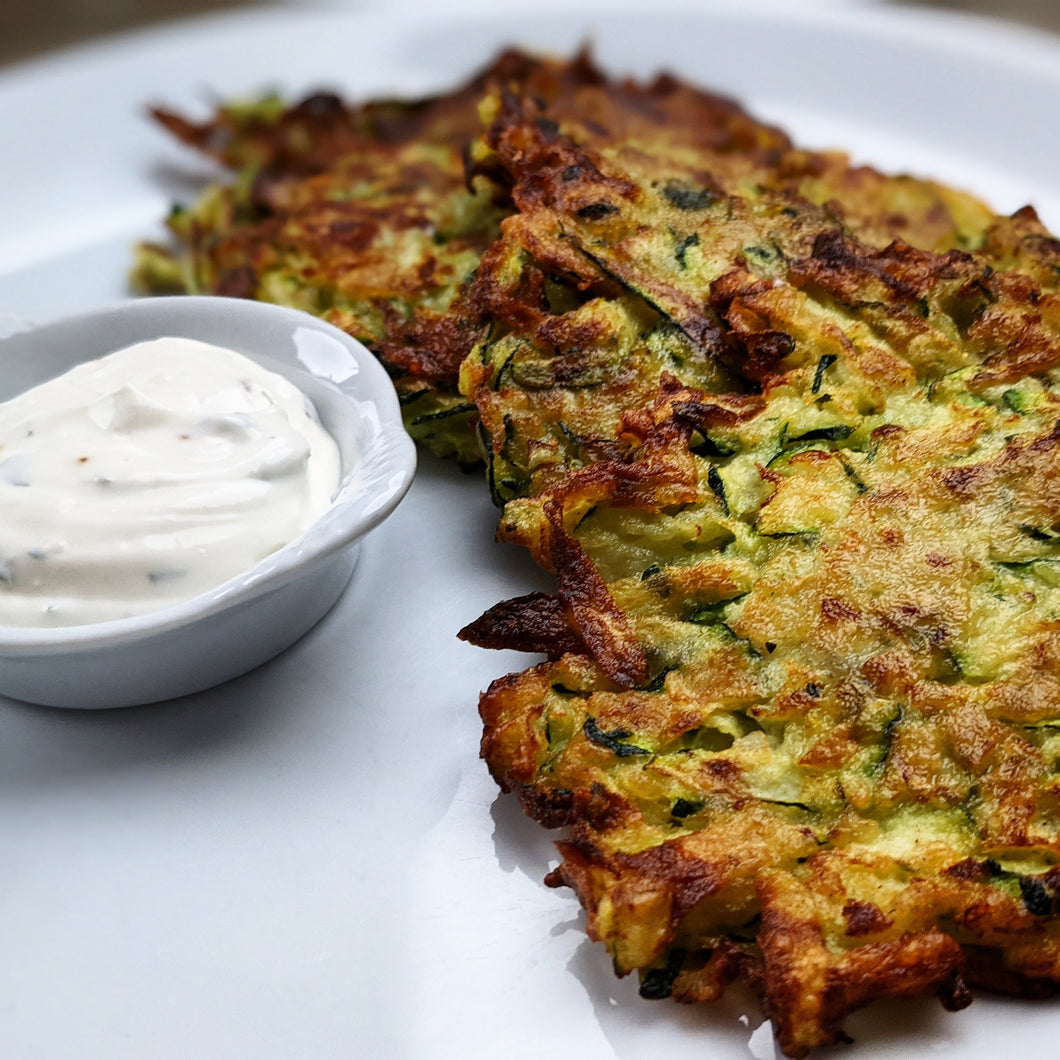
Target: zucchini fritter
point(365, 214)
point(801, 494)
point(785, 430)
point(360, 214)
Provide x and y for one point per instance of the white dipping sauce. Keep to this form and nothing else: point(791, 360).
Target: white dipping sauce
point(149, 476)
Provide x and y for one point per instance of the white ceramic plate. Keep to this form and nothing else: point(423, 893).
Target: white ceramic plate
point(311, 861)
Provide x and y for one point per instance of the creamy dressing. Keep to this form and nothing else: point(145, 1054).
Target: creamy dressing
point(151, 475)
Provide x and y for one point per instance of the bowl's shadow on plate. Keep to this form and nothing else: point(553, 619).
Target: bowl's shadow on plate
point(287, 709)
point(50, 746)
point(307, 706)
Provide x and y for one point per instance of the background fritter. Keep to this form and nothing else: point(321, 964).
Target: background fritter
point(358, 213)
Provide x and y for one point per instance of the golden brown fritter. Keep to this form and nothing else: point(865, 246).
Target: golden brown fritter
point(365, 215)
point(800, 494)
point(362, 215)
point(785, 430)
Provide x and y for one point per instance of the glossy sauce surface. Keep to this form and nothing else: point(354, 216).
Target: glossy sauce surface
point(148, 476)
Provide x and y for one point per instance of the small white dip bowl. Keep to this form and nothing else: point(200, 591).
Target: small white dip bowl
point(245, 621)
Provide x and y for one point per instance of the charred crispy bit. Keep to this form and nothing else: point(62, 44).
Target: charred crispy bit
point(811, 472)
point(536, 622)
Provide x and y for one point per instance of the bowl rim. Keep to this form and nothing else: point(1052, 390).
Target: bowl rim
point(389, 457)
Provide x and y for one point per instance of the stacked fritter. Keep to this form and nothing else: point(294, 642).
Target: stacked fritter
point(366, 214)
point(787, 434)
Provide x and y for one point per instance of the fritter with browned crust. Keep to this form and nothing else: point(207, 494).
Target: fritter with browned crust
point(361, 215)
point(364, 214)
point(785, 429)
point(800, 491)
